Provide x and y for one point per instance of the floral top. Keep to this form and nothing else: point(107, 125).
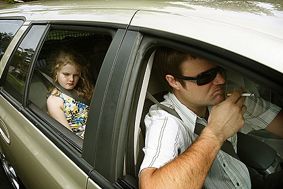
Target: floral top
point(76, 114)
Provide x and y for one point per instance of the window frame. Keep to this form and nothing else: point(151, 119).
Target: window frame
point(12, 99)
point(64, 139)
point(110, 128)
point(230, 60)
point(12, 19)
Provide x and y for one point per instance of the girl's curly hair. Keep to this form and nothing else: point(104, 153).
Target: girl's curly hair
point(64, 56)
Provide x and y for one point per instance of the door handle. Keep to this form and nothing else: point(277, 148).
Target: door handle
point(4, 133)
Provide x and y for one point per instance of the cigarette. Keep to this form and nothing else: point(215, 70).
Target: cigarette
point(243, 94)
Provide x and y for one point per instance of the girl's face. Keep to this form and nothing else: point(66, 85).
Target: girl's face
point(68, 76)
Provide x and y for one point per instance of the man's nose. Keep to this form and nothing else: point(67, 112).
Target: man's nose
point(219, 79)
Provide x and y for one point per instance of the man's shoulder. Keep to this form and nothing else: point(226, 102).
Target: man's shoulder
point(156, 113)
point(156, 110)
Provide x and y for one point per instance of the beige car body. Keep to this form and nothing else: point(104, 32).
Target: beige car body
point(38, 161)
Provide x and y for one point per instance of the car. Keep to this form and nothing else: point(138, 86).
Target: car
point(119, 39)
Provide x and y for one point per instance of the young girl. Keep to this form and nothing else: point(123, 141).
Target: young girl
point(70, 74)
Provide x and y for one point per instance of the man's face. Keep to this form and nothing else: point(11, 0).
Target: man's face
point(196, 95)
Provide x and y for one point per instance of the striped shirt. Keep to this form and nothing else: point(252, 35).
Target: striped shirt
point(168, 136)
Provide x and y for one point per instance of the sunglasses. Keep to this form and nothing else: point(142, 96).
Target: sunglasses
point(204, 77)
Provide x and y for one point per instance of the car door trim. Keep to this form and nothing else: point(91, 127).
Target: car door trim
point(4, 132)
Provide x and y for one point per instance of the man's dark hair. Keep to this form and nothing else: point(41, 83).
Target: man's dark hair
point(168, 61)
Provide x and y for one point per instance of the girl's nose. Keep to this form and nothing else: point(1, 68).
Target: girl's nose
point(71, 78)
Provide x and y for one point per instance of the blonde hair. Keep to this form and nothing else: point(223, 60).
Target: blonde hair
point(84, 87)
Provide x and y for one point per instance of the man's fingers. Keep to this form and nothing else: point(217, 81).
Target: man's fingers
point(240, 101)
point(234, 96)
point(244, 109)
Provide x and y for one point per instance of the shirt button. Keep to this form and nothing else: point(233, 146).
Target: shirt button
point(224, 165)
point(237, 184)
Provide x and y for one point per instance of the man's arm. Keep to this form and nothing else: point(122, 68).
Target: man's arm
point(186, 171)
point(190, 169)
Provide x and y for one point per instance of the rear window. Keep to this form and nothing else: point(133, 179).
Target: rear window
point(8, 28)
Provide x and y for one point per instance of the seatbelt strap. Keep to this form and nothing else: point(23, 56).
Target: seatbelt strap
point(166, 108)
point(227, 145)
point(70, 94)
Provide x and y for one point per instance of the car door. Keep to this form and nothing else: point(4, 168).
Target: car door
point(42, 152)
point(111, 130)
point(142, 76)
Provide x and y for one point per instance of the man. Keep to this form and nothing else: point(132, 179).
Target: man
point(175, 157)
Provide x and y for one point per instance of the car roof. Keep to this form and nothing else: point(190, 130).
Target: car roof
point(253, 29)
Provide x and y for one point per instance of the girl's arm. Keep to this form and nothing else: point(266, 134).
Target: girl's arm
point(55, 110)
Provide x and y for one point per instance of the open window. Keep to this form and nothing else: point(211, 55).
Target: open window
point(90, 43)
point(254, 78)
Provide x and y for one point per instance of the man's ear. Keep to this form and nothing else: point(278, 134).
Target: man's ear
point(175, 84)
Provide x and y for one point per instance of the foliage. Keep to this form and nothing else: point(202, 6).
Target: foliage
point(5, 39)
point(9, 1)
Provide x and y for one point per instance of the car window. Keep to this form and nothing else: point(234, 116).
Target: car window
point(263, 103)
point(89, 46)
point(19, 64)
point(8, 28)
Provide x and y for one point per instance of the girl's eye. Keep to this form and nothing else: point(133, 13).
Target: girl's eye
point(77, 75)
point(66, 74)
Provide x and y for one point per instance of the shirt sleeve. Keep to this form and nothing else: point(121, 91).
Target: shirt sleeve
point(162, 139)
point(259, 114)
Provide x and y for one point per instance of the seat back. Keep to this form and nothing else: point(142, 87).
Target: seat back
point(38, 91)
point(155, 86)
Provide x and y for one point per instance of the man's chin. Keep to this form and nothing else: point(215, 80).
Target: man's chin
point(218, 99)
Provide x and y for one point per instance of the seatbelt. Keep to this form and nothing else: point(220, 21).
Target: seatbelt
point(227, 145)
point(69, 93)
point(166, 108)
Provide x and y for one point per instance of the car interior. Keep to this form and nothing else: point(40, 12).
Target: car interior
point(91, 45)
point(259, 149)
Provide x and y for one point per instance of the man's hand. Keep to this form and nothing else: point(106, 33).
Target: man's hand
point(190, 169)
point(226, 118)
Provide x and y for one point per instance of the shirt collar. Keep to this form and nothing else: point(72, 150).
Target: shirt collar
point(188, 117)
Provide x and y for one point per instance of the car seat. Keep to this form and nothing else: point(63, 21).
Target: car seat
point(39, 88)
